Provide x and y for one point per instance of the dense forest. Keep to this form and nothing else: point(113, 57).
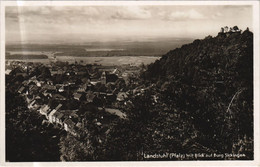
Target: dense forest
point(27, 137)
point(204, 104)
point(211, 81)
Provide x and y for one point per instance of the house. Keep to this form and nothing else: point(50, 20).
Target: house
point(47, 93)
point(49, 87)
point(33, 89)
point(90, 96)
point(57, 117)
point(77, 96)
point(116, 71)
point(61, 89)
point(79, 125)
point(7, 71)
point(39, 100)
point(85, 80)
point(68, 124)
point(58, 107)
point(21, 90)
point(50, 116)
point(103, 77)
point(106, 77)
point(53, 72)
point(116, 112)
point(82, 88)
point(34, 78)
point(36, 107)
point(58, 97)
point(101, 94)
point(26, 82)
point(93, 75)
point(38, 97)
point(68, 114)
point(125, 76)
point(30, 97)
point(54, 115)
point(98, 123)
point(56, 72)
point(31, 82)
point(39, 83)
point(49, 82)
point(45, 110)
point(121, 96)
point(94, 81)
point(30, 106)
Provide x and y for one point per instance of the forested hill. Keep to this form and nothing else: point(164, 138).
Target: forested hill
point(209, 59)
point(211, 81)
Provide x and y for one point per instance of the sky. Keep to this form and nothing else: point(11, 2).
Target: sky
point(82, 24)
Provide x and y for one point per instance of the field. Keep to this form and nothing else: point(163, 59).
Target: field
point(107, 54)
point(103, 49)
point(107, 61)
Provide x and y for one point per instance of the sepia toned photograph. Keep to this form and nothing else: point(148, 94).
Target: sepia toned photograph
point(125, 82)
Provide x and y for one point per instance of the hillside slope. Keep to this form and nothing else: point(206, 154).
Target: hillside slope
point(217, 55)
point(210, 82)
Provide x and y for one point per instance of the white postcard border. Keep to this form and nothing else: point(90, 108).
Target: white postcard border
point(255, 162)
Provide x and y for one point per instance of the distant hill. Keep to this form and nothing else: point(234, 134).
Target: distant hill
point(25, 56)
point(96, 49)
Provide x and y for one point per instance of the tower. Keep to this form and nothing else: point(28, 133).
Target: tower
point(103, 78)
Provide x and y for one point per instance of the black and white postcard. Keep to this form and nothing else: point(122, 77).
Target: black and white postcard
point(130, 82)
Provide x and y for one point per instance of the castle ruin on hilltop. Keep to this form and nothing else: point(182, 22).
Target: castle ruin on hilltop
point(226, 31)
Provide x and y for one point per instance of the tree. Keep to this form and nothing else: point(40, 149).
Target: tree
point(235, 28)
point(26, 138)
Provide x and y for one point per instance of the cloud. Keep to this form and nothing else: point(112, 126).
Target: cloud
point(131, 13)
point(113, 22)
point(186, 15)
point(216, 15)
point(41, 13)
